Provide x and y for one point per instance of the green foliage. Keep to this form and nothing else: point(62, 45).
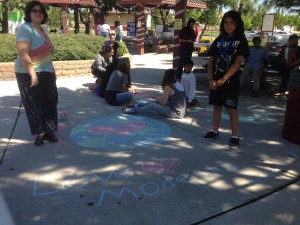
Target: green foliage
point(209, 17)
point(280, 21)
point(290, 5)
point(68, 47)
point(162, 17)
point(195, 14)
point(247, 22)
point(54, 15)
point(8, 46)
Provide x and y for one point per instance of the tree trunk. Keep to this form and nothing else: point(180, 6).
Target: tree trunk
point(76, 18)
point(4, 21)
point(86, 23)
point(202, 32)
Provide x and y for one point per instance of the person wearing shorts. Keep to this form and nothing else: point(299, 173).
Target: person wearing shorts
point(226, 55)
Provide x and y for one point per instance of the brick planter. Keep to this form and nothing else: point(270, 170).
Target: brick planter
point(74, 68)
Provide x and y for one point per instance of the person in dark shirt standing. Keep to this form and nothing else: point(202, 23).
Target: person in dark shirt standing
point(186, 40)
point(288, 58)
point(226, 55)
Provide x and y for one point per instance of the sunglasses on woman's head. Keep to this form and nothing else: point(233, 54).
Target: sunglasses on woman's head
point(37, 11)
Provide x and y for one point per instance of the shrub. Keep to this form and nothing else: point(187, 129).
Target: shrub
point(68, 47)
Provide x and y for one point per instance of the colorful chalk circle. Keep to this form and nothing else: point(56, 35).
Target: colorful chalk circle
point(120, 132)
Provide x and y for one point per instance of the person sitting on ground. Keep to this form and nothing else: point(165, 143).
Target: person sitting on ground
point(117, 91)
point(255, 64)
point(172, 104)
point(288, 58)
point(188, 80)
point(114, 44)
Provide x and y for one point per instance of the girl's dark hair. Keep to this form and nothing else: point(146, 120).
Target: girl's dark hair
point(190, 21)
point(124, 67)
point(106, 49)
point(169, 78)
point(236, 17)
point(29, 6)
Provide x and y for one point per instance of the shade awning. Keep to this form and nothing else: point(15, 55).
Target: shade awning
point(153, 3)
point(78, 2)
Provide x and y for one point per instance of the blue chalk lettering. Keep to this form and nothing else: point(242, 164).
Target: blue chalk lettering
point(292, 155)
point(40, 194)
point(147, 193)
point(168, 184)
point(104, 191)
point(64, 184)
point(107, 179)
point(182, 178)
point(123, 174)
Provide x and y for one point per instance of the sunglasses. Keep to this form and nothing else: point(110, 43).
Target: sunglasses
point(37, 11)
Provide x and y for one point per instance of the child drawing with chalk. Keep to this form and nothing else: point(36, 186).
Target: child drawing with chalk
point(171, 104)
point(226, 55)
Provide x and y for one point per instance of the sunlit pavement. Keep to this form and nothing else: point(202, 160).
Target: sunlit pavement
point(114, 169)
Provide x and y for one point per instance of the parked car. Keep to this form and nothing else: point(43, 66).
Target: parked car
point(281, 35)
point(269, 34)
point(204, 44)
point(252, 34)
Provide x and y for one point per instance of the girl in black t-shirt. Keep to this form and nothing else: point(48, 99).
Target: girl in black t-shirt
point(226, 55)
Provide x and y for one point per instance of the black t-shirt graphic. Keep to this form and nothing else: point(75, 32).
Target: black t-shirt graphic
point(225, 50)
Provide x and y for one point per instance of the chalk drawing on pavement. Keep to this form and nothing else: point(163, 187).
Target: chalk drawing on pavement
point(163, 166)
point(120, 132)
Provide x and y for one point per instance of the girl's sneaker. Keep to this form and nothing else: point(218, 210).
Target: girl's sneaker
point(129, 110)
point(234, 142)
point(194, 101)
point(211, 134)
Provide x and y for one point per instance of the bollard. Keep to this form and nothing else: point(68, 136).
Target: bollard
point(291, 124)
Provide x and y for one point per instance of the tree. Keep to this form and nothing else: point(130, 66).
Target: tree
point(102, 8)
point(54, 17)
point(290, 5)
point(194, 13)
point(280, 20)
point(208, 17)
point(8, 5)
point(243, 6)
point(85, 18)
point(162, 16)
point(76, 18)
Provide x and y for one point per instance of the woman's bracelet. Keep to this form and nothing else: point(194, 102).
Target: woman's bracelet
point(34, 78)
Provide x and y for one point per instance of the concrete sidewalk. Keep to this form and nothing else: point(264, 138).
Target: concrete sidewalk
point(114, 169)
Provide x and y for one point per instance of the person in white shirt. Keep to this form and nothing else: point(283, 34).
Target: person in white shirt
point(105, 29)
point(188, 80)
point(119, 31)
point(99, 29)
